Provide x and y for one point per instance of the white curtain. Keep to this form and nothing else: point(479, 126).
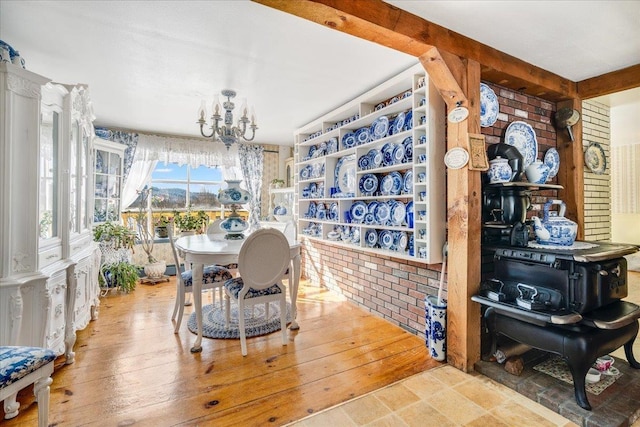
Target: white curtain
point(252, 164)
point(152, 149)
point(625, 171)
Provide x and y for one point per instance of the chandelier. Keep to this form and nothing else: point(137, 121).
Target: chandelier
point(227, 133)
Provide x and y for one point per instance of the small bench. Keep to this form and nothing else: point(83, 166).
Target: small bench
point(21, 367)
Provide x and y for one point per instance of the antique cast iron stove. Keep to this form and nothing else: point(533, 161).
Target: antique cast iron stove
point(564, 301)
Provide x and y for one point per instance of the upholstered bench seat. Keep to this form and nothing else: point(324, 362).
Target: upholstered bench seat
point(21, 367)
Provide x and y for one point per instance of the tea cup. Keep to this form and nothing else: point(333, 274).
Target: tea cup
point(604, 363)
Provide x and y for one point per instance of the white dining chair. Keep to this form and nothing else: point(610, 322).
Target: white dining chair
point(213, 231)
point(213, 277)
point(263, 260)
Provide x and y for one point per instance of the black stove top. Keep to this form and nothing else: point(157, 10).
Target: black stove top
point(590, 252)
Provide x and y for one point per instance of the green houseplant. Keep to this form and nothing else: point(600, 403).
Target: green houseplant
point(190, 221)
point(115, 241)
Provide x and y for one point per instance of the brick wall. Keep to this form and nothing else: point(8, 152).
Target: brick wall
point(597, 188)
point(392, 288)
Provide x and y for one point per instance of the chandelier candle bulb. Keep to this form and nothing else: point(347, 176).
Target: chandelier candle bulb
point(202, 111)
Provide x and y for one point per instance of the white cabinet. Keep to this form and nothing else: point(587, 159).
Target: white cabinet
point(108, 158)
point(361, 169)
point(44, 230)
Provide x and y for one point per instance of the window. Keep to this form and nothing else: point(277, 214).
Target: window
point(182, 187)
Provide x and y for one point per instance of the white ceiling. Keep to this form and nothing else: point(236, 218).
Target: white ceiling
point(148, 64)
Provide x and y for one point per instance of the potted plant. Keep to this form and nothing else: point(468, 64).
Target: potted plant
point(115, 242)
point(161, 223)
point(190, 222)
point(277, 183)
point(154, 268)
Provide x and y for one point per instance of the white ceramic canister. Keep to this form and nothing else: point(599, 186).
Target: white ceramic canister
point(499, 170)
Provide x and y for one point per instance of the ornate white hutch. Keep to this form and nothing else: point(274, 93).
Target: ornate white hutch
point(48, 263)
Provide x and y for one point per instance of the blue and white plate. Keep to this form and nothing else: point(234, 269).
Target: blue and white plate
point(398, 154)
point(379, 128)
point(385, 239)
point(371, 237)
point(489, 106)
point(386, 185)
point(355, 235)
point(305, 172)
point(409, 210)
point(595, 158)
point(522, 136)
point(382, 213)
point(369, 219)
point(398, 123)
point(398, 213)
point(363, 162)
point(387, 154)
point(312, 151)
point(349, 140)
point(345, 175)
point(375, 157)
point(362, 136)
point(408, 148)
point(371, 207)
point(407, 182)
point(401, 240)
point(397, 182)
point(358, 211)
point(368, 184)
point(321, 214)
point(552, 159)
point(332, 146)
point(408, 120)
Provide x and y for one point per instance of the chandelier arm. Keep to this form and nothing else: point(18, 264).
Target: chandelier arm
point(202, 123)
point(253, 133)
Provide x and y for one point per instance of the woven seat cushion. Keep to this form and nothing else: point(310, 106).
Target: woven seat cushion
point(18, 362)
point(235, 285)
point(212, 274)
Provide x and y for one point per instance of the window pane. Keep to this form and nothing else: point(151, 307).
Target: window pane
point(204, 173)
point(169, 196)
point(170, 171)
point(204, 196)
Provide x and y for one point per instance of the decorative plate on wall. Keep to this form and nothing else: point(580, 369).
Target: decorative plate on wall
point(489, 106)
point(595, 158)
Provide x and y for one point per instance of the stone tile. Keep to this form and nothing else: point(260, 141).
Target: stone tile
point(421, 414)
point(455, 406)
point(396, 396)
point(486, 420)
point(391, 420)
point(333, 417)
point(481, 394)
point(450, 375)
point(424, 384)
point(366, 409)
point(514, 414)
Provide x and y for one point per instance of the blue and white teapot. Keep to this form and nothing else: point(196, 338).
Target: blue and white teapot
point(555, 229)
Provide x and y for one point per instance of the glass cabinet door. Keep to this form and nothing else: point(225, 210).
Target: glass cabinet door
point(108, 182)
point(73, 179)
point(48, 191)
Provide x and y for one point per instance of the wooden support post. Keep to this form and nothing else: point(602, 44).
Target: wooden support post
point(454, 78)
point(571, 173)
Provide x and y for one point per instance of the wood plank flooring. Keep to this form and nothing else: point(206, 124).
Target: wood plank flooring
point(131, 369)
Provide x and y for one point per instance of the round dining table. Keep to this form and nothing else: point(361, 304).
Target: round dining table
point(202, 249)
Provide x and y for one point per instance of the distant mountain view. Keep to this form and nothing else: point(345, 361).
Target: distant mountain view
point(176, 198)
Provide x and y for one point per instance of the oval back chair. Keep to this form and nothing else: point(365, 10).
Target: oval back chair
point(263, 260)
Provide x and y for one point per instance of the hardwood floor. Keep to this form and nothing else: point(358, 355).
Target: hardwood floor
point(131, 369)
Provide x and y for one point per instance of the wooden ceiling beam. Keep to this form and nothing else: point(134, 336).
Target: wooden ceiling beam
point(615, 81)
point(387, 25)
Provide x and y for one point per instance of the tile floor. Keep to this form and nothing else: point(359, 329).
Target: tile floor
point(443, 396)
